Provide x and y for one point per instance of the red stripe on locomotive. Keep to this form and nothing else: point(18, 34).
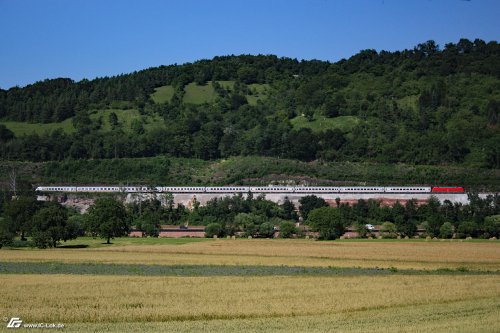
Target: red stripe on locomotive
point(448, 190)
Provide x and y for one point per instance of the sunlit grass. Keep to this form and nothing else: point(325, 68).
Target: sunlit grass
point(22, 128)
point(322, 123)
point(163, 94)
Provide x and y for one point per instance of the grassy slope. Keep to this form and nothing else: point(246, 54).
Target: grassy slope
point(125, 118)
point(195, 94)
point(249, 170)
point(321, 123)
point(163, 94)
point(199, 94)
point(21, 128)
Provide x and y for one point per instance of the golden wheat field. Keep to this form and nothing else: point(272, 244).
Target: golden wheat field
point(403, 255)
point(448, 301)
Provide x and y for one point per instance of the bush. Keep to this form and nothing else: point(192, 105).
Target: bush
point(287, 229)
point(6, 236)
point(388, 230)
point(362, 229)
point(266, 229)
point(492, 226)
point(467, 229)
point(213, 229)
point(446, 230)
point(249, 222)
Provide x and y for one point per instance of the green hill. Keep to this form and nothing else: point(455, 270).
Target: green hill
point(427, 105)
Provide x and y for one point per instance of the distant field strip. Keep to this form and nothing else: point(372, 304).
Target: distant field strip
point(208, 270)
point(87, 298)
point(368, 254)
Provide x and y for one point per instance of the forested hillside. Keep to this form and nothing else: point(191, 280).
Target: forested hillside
point(429, 105)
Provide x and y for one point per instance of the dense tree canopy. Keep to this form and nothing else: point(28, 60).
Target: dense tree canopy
point(108, 218)
point(416, 106)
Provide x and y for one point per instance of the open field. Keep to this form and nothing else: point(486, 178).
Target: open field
point(125, 119)
point(422, 255)
point(21, 128)
point(258, 285)
point(163, 94)
point(199, 94)
point(479, 315)
point(90, 299)
point(322, 123)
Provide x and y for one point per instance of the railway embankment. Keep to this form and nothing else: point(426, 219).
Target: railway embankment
point(83, 202)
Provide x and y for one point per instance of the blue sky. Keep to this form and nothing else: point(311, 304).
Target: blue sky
point(90, 38)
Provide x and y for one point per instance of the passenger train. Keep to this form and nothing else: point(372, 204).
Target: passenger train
point(253, 189)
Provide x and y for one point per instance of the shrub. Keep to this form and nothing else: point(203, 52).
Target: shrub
point(467, 229)
point(6, 236)
point(287, 229)
point(213, 229)
point(362, 229)
point(388, 230)
point(492, 226)
point(266, 229)
point(446, 230)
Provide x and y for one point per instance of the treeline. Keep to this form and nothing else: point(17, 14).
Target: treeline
point(259, 217)
point(421, 106)
point(49, 223)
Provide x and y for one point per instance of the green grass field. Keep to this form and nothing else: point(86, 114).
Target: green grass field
point(322, 123)
point(22, 128)
point(163, 94)
point(199, 94)
point(206, 285)
point(196, 94)
point(125, 119)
